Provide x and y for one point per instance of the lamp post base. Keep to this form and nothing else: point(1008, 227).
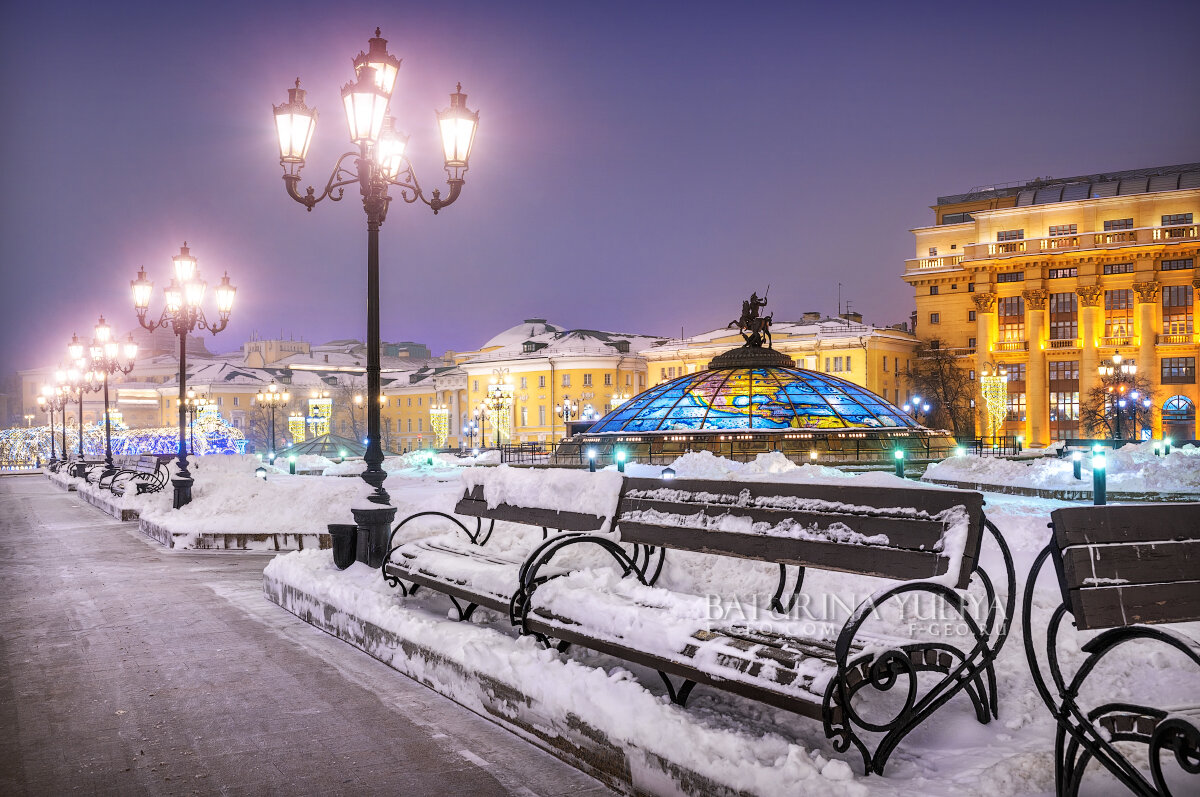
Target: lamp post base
point(374, 528)
point(183, 492)
point(80, 470)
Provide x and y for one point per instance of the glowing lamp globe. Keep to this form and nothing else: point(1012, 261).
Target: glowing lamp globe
point(173, 295)
point(390, 152)
point(131, 348)
point(457, 126)
point(111, 350)
point(103, 331)
point(75, 348)
point(185, 265)
point(366, 105)
point(384, 65)
point(295, 124)
point(225, 295)
point(193, 292)
point(142, 289)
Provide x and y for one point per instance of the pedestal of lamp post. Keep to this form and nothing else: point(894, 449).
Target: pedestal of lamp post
point(80, 470)
point(374, 528)
point(183, 492)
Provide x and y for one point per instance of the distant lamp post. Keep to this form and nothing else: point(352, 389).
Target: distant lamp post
point(183, 312)
point(379, 161)
point(617, 400)
point(470, 429)
point(918, 408)
point(272, 398)
point(48, 401)
point(499, 401)
point(1122, 375)
point(107, 358)
point(195, 405)
point(589, 413)
point(567, 410)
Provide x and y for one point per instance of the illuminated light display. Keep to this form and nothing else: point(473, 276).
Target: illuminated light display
point(320, 410)
point(761, 399)
point(439, 422)
point(993, 386)
point(297, 424)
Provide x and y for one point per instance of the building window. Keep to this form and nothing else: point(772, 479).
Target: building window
point(1177, 310)
point(837, 364)
point(1016, 406)
point(849, 367)
point(970, 315)
point(587, 380)
point(935, 318)
point(220, 401)
point(1118, 313)
point(410, 397)
point(1179, 370)
point(475, 389)
point(541, 381)
point(418, 401)
point(1061, 273)
point(1174, 219)
point(1064, 316)
point(566, 382)
point(541, 415)
point(957, 218)
point(663, 374)
point(1063, 229)
point(970, 343)
point(826, 365)
point(628, 380)
point(524, 382)
point(608, 380)
point(1063, 384)
point(971, 374)
point(1176, 265)
point(933, 290)
point(970, 287)
point(1118, 268)
point(933, 251)
point(895, 361)
point(1011, 315)
point(235, 401)
point(885, 365)
point(1010, 235)
point(1016, 392)
point(1011, 276)
point(1118, 224)
point(409, 425)
point(524, 416)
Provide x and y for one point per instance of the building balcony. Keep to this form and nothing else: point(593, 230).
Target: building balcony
point(1064, 343)
point(1011, 345)
point(1083, 241)
point(930, 263)
point(1118, 342)
point(1178, 339)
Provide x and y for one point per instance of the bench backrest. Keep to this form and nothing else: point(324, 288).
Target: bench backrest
point(1129, 564)
point(889, 532)
point(147, 463)
point(473, 504)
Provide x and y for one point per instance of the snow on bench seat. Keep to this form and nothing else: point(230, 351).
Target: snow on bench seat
point(788, 664)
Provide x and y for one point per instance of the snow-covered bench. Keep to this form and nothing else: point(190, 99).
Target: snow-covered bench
point(472, 575)
point(928, 540)
point(147, 472)
point(1119, 569)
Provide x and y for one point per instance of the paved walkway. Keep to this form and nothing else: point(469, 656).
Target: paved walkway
point(129, 669)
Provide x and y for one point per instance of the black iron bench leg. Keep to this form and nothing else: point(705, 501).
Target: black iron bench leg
point(777, 602)
point(678, 696)
point(463, 614)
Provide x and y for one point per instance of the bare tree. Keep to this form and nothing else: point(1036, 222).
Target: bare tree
point(1100, 406)
point(346, 408)
point(938, 374)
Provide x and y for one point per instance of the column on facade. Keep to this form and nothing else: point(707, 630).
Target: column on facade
point(1037, 414)
point(985, 338)
point(1089, 321)
point(1147, 327)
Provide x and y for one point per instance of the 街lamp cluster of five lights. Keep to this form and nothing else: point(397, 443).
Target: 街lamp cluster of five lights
point(366, 101)
point(186, 290)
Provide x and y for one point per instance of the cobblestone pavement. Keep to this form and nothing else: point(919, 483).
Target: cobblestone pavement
point(129, 669)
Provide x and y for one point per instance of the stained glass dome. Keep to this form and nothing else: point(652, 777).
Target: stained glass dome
point(759, 398)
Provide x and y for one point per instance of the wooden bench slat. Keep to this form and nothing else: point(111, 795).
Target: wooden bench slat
point(548, 518)
point(1136, 563)
point(1088, 525)
point(1149, 604)
point(909, 533)
point(896, 563)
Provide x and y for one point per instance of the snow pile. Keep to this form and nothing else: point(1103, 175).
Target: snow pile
point(1132, 468)
point(559, 489)
point(609, 700)
point(412, 460)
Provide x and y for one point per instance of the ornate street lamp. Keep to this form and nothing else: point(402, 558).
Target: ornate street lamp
point(184, 296)
point(273, 398)
point(498, 400)
point(470, 429)
point(589, 413)
point(79, 384)
point(567, 410)
point(379, 162)
point(49, 401)
point(106, 358)
point(917, 407)
point(1123, 374)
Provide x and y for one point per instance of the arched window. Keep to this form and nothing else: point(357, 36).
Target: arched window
point(1179, 418)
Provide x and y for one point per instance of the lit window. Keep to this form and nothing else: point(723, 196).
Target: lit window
point(1063, 229)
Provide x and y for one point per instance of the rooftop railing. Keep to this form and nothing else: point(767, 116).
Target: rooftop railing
point(1176, 233)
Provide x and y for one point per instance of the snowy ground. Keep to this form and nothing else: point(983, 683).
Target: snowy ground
point(1132, 468)
point(743, 743)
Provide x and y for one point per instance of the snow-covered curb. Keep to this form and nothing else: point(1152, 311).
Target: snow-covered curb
point(107, 502)
point(232, 540)
point(632, 740)
point(63, 480)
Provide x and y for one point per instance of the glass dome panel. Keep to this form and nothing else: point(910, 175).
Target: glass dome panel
point(764, 399)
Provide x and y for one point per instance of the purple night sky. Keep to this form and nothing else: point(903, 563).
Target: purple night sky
point(639, 167)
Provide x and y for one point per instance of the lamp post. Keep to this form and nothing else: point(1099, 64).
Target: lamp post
point(470, 429)
point(917, 407)
point(589, 413)
point(567, 410)
point(49, 402)
point(272, 398)
point(499, 400)
point(1123, 375)
point(379, 162)
point(108, 357)
point(195, 405)
point(183, 312)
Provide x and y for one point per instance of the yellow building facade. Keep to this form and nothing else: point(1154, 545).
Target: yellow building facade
point(1051, 278)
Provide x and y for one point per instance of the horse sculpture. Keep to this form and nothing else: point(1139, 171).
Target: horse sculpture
point(755, 328)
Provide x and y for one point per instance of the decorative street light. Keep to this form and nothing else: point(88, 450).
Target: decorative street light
point(470, 429)
point(379, 162)
point(481, 416)
point(567, 410)
point(51, 400)
point(1123, 375)
point(79, 385)
point(273, 398)
point(195, 405)
point(589, 413)
point(617, 400)
point(183, 312)
point(108, 357)
point(917, 407)
point(499, 400)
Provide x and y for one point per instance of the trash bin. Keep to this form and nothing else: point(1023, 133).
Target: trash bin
point(345, 543)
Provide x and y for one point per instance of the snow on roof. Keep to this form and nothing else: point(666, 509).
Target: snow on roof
point(827, 326)
point(529, 328)
point(552, 340)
